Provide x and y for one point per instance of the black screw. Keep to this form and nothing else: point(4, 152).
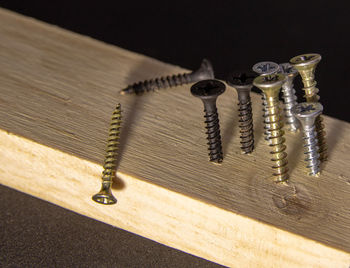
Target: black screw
point(208, 91)
point(243, 83)
point(205, 71)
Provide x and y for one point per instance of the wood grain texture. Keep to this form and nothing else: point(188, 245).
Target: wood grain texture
point(59, 89)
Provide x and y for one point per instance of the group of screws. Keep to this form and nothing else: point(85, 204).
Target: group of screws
point(270, 78)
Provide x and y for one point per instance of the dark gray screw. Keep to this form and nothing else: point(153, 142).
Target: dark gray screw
point(266, 68)
point(307, 113)
point(208, 91)
point(243, 83)
point(205, 71)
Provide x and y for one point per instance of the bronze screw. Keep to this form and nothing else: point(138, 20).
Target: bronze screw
point(208, 91)
point(243, 83)
point(266, 68)
point(105, 196)
point(306, 66)
point(205, 71)
point(271, 86)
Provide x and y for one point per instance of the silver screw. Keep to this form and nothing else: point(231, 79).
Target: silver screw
point(266, 68)
point(290, 99)
point(307, 112)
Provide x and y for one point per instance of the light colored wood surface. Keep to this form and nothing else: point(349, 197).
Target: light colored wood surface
point(57, 93)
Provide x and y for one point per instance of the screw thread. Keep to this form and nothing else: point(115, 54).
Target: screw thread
point(321, 137)
point(105, 195)
point(290, 100)
point(246, 126)
point(214, 138)
point(267, 126)
point(311, 151)
point(279, 156)
point(158, 83)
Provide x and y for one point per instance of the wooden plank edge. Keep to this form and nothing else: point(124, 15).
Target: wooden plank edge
point(157, 213)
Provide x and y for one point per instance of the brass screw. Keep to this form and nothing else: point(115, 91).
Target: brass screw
point(205, 71)
point(105, 196)
point(271, 86)
point(266, 68)
point(307, 112)
point(306, 66)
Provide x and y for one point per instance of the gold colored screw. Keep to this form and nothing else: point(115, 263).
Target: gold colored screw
point(271, 85)
point(105, 196)
point(306, 66)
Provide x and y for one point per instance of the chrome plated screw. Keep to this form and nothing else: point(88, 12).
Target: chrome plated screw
point(290, 99)
point(306, 112)
point(266, 68)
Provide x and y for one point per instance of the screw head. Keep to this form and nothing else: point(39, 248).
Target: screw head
point(306, 113)
point(241, 80)
point(270, 84)
point(288, 70)
point(265, 67)
point(208, 89)
point(305, 60)
point(205, 71)
point(307, 109)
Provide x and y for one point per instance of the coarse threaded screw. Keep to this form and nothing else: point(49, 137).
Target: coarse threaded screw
point(289, 97)
point(105, 196)
point(307, 113)
point(306, 66)
point(208, 91)
point(266, 68)
point(271, 86)
point(243, 83)
point(205, 71)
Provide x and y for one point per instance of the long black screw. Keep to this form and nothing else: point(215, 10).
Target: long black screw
point(208, 91)
point(205, 71)
point(243, 83)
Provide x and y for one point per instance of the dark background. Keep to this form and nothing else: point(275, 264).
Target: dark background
point(233, 35)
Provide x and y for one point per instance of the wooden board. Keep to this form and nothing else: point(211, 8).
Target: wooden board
point(57, 93)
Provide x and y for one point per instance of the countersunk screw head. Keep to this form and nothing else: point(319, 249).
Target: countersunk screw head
point(208, 90)
point(270, 84)
point(288, 70)
point(305, 60)
point(205, 71)
point(265, 67)
point(242, 82)
point(307, 112)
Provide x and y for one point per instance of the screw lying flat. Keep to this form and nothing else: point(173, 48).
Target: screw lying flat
point(208, 91)
point(105, 196)
point(205, 71)
point(290, 99)
point(271, 86)
point(243, 83)
point(307, 112)
point(306, 66)
point(266, 68)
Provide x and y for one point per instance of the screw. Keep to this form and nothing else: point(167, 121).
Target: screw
point(266, 68)
point(243, 83)
point(205, 71)
point(271, 86)
point(105, 196)
point(208, 91)
point(290, 99)
point(306, 66)
point(307, 112)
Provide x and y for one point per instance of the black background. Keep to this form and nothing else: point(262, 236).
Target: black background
point(232, 34)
